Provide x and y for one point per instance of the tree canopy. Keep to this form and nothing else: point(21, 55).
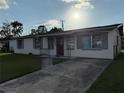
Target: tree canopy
point(40, 30)
point(11, 29)
point(55, 30)
point(16, 28)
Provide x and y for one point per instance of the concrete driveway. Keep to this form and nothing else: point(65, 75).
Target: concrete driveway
point(73, 76)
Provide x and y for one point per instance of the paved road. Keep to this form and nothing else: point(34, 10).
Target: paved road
point(73, 76)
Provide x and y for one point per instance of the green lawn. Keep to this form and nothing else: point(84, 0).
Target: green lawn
point(112, 79)
point(15, 65)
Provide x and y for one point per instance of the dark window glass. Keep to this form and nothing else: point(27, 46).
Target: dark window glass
point(50, 43)
point(96, 41)
point(20, 44)
point(104, 39)
point(38, 43)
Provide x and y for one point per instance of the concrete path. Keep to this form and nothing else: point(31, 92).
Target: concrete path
point(46, 62)
point(74, 76)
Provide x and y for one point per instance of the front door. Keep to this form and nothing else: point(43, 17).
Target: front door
point(60, 46)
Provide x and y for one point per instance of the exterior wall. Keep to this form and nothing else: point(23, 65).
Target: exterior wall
point(28, 47)
point(93, 53)
point(115, 35)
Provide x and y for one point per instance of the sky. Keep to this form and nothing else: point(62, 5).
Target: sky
point(75, 13)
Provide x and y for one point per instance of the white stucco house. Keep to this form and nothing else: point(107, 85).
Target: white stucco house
point(94, 42)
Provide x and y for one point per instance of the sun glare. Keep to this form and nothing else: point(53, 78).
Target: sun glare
point(76, 16)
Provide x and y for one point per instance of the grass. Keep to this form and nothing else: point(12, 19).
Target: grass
point(58, 60)
point(112, 79)
point(16, 65)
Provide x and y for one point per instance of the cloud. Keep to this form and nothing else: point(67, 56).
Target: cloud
point(80, 3)
point(49, 23)
point(68, 1)
point(4, 4)
point(52, 22)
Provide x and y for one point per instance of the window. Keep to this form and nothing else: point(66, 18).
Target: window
point(86, 42)
point(104, 39)
point(93, 41)
point(96, 41)
point(50, 43)
point(70, 43)
point(38, 43)
point(20, 44)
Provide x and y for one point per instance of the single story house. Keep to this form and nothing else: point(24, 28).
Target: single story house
point(94, 42)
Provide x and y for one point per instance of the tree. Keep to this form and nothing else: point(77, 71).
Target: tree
point(55, 30)
point(33, 32)
point(17, 28)
point(40, 30)
point(5, 30)
point(11, 29)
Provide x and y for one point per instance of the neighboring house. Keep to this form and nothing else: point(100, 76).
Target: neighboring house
point(95, 42)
